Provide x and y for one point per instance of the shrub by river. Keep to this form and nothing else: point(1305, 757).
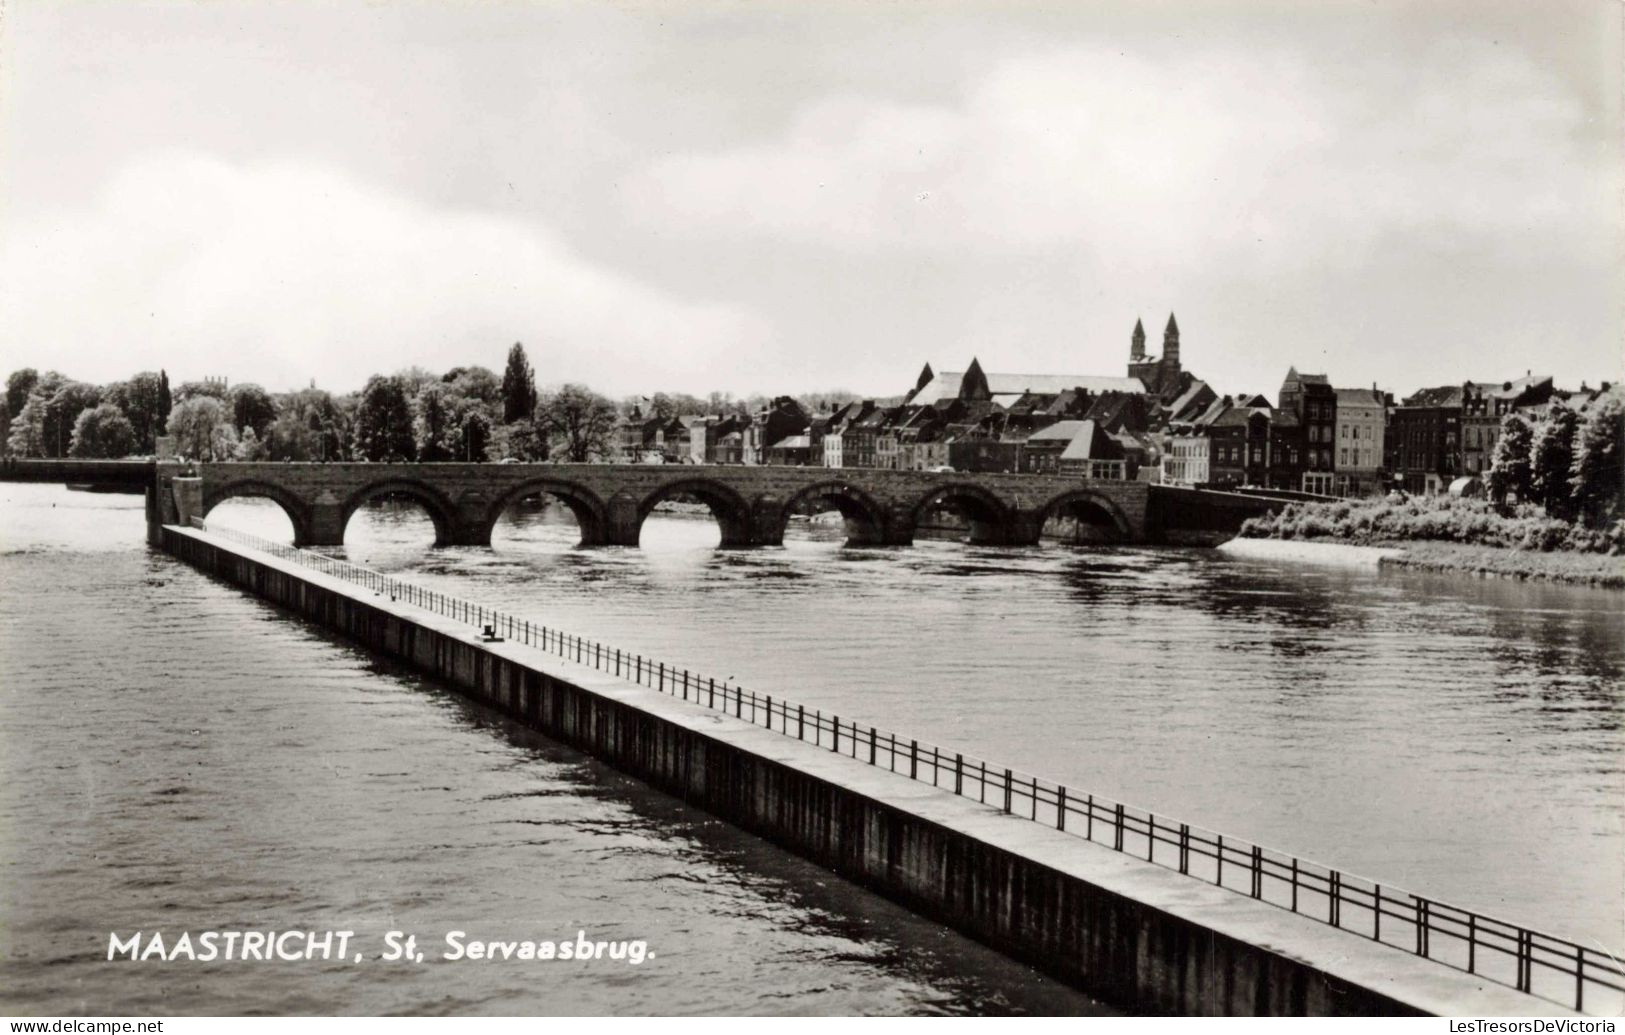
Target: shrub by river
point(1446, 534)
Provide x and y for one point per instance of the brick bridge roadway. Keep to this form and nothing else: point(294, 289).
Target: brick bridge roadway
point(752, 504)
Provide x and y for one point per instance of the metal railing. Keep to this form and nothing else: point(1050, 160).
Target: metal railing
point(1530, 961)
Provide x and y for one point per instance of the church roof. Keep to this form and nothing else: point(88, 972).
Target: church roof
point(945, 385)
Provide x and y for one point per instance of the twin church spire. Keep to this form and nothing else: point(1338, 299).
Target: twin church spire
point(1170, 341)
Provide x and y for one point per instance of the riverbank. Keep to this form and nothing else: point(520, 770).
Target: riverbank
point(1441, 533)
point(1590, 569)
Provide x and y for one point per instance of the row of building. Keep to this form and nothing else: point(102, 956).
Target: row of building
point(1157, 423)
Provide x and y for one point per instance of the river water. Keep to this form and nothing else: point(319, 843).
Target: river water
point(1453, 736)
point(177, 756)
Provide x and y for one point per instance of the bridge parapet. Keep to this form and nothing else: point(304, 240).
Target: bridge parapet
point(610, 501)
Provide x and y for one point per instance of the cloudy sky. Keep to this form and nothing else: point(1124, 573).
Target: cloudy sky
point(798, 196)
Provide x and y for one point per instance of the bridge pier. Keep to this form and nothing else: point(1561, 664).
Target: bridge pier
point(324, 526)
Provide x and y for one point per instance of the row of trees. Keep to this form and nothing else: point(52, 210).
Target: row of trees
point(1570, 463)
point(467, 413)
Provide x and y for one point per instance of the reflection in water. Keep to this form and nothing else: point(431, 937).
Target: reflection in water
point(175, 755)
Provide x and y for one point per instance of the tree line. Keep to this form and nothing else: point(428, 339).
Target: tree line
point(467, 413)
point(1568, 462)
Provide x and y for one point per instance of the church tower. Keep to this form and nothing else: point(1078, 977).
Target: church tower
point(973, 386)
point(1136, 350)
point(1170, 345)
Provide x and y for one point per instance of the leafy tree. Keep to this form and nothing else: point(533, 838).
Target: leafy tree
point(1598, 477)
point(62, 410)
point(436, 424)
point(1551, 461)
point(293, 436)
point(383, 422)
point(223, 441)
point(476, 383)
point(19, 386)
point(251, 407)
point(579, 421)
point(518, 387)
point(103, 433)
point(142, 400)
point(196, 425)
point(196, 389)
point(248, 447)
point(1509, 464)
point(166, 402)
point(27, 429)
point(414, 378)
point(475, 436)
point(522, 440)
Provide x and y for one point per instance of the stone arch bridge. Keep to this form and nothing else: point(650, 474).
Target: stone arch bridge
point(751, 504)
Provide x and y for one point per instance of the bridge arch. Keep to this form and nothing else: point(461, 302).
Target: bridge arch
point(865, 517)
point(1090, 509)
point(990, 517)
point(296, 509)
point(441, 510)
point(731, 510)
point(590, 512)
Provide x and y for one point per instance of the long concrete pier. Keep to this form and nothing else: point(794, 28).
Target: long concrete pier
point(1126, 931)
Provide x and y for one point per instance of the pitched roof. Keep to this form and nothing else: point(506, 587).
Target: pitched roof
point(1060, 431)
point(946, 385)
point(1187, 397)
point(1091, 443)
point(1359, 397)
point(1444, 395)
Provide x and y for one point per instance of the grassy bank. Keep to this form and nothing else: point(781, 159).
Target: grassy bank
point(1468, 536)
point(1594, 569)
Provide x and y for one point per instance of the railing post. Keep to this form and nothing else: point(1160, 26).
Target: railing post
point(1334, 904)
point(1579, 978)
point(914, 760)
point(685, 684)
point(1376, 913)
point(1060, 808)
point(1007, 792)
point(1117, 829)
point(1258, 872)
point(801, 722)
point(871, 745)
point(711, 700)
point(959, 774)
point(1525, 951)
point(836, 745)
point(662, 687)
point(1184, 848)
point(1294, 884)
point(1422, 927)
point(1219, 875)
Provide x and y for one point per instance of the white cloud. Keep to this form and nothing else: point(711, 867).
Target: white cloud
point(276, 272)
point(1163, 163)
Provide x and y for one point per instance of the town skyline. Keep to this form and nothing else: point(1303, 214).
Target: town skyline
point(751, 199)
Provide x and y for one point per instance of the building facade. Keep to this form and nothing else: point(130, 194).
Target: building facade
point(1362, 419)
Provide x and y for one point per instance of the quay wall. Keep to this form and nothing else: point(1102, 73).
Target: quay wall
point(1122, 930)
